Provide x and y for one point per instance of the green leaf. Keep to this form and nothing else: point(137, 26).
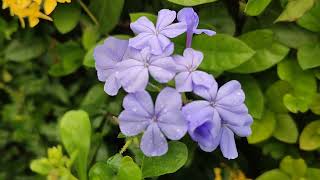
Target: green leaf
point(310, 137)
point(75, 132)
point(129, 170)
point(310, 20)
point(312, 173)
point(293, 36)
point(303, 83)
point(222, 21)
point(173, 160)
point(191, 2)
point(275, 94)
point(256, 7)
point(69, 59)
point(254, 96)
point(21, 50)
point(286, 129)
point(41, 166)
point(273, 175)
point(275, 149)
point(66, 17)
point(107, 12)
point(94, 100)
point(263, 128)
point(136, 16)
point(294, 167)
point(89, 37)
point(315, 105)
point(295, 9)
point(114, 162)
point(308, 56)
point(101, 171)
point(221, 52)
point(268, 51)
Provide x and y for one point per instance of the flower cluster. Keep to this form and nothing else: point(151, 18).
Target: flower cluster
point(31, 9)
point(129, 63)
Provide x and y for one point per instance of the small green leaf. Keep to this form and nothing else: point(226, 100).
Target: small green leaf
point(101, 171)
point(294, 167)
point(191, 2)
point(275, 94)
point(263, 128)
point(310, 137)
point(66, 17)
point(107, 12)
point(295, 104)
point(89, 37)
point(295, 9)
point(286, 129)
point(308, 56)
point(41, 166)
point(94, 99)
point(75, 132)
point(268, 51)
point(129, 170)
point(256, 7)
point(222, 52)
point(88, 59)
point(136, 16)
point(114, 162)
point(315, 105)
point(312, 173)
point(274, 174)
point(173, 160)
point(310, 20)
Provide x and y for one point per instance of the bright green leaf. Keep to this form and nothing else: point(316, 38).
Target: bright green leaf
point(308, 56)
point(274, 174)
point(294, 167)
point(286, 129)
point(263, 128)
point(41, 166)
point(315, 105)
point(275, 94)
point(268, 51)
point(89, 37)
point(136, 16)
point(256, 7)
point(295, 9)
point(107, 12)
point(191, 2)
point(101, 171)
point(66, 17)
point(94, 99)
point(114, 162)
point(173, 160)
point(312, 173)
point(310, 137)
point(129, 170)
point(75, 132)
point(310, 20)
point(221, 52)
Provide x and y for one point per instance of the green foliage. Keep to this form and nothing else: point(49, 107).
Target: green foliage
point(66, 17)
point(310, 136)
point(191, 2)
point(256, 7)
point(295, 9)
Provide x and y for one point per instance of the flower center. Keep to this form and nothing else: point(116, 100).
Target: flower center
point(212, 103)
point(154, 119)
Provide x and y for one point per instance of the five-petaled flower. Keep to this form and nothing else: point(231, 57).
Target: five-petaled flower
point(214, 121)
point(157, 38)
point(165, 119)
point(188, 77)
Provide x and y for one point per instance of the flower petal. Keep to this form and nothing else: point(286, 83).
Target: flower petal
point(143, 24)
point(153, 142)
point(173, 124)
point(112, 85)
point(134, 79)
point(205, 92)
point(242, 131)
point(140, 103)
point(233, 118)
point(228, 144)
point(162, 69)
point(227, 89)
point(195, 106)
point(165, 17)
point(174, 30)
point(183, 82)
point(132, 123)
point(168, 99)
point(193, 57)
point(206, 31)
point(141, 40)
point(200, 78)
point(230, 94)
point(188, 16)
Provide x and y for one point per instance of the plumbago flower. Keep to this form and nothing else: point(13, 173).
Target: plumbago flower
point(188, 16)
point(157, 38)
point(215, 120)
point(188, 76)
point(134, 70)
point(165, 119)
point(107, 56)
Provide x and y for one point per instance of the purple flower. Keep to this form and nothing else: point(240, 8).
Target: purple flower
point(157, 38)
point(134, 70)
point(107, 56)
point(188, 76)
point(191, 18)
point(165, 119)
point(215, 120)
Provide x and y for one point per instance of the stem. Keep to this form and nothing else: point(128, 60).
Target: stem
point(125, 147)
point(154, 86)
point(86, 9)
point(189, 39)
